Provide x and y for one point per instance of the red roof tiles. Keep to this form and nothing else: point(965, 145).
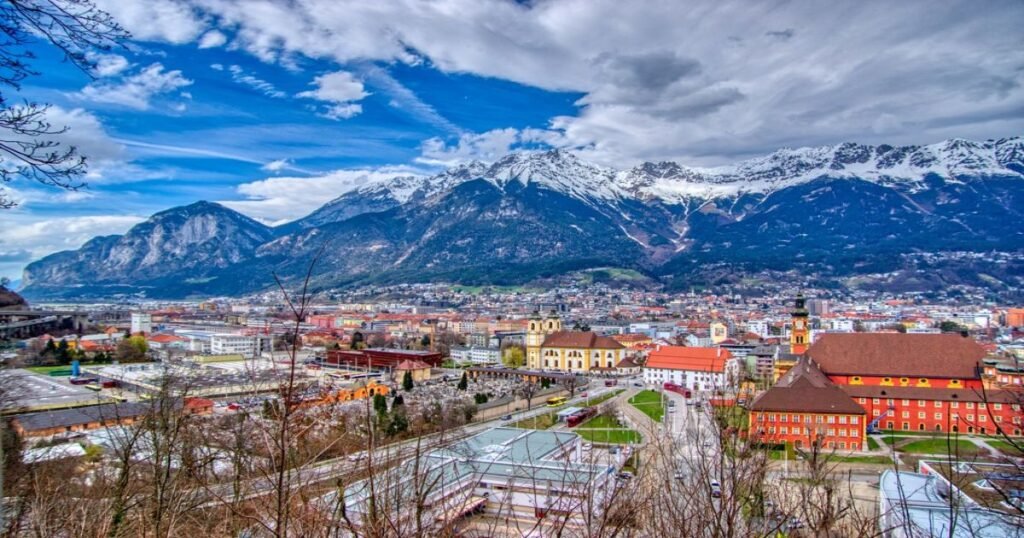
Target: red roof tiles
point(700, 359)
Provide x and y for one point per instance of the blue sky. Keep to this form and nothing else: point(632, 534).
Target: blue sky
point(275, 107)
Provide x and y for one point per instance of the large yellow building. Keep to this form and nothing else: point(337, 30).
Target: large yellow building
point(548, 347)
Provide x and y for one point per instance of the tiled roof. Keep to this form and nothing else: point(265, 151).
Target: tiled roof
point(411, 365)
point(806, 389)
point(699, 359)
point(895, 354)
point(580, 339)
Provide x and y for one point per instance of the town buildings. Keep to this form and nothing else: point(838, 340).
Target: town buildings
point(696, 368)
point(903, 382)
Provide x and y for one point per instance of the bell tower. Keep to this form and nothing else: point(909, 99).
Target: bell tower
point(800, 332)
point(534, 338)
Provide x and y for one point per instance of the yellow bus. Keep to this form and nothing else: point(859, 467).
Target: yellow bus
point(556, 401)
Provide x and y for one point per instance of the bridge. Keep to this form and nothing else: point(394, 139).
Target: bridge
point(26, 323)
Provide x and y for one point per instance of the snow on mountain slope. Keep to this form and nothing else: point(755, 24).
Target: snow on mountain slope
point(672, 183)
point(952, 160)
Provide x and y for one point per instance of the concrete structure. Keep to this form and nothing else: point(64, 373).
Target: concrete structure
point(478, 355)
point(506, 473)
point(915, 505)
point(239, 344)
point(142, 322)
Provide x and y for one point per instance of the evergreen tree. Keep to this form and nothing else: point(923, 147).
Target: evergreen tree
point(464, 382)
point(380, 404)
point(545, 383)
point(407, 381)
point(398, 401)
point(63, 353)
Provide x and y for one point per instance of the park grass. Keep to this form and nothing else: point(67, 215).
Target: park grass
point(1006, 448)
point(872, 444)
point(607, 430)
point(610, 437)
point(877, 460)
point(539, 422)
point(650, 403)
point(45, 370)
point(940, 446)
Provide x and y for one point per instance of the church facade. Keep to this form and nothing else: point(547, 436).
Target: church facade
point(549, 347)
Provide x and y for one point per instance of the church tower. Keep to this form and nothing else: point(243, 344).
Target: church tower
point(800, 331)
point(534, 338)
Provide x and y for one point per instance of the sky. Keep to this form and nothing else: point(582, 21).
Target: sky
point(274, 107)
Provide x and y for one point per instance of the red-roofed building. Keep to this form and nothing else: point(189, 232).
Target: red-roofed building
point(696, 368)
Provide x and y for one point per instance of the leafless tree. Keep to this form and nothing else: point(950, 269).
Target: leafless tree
point(30, 146)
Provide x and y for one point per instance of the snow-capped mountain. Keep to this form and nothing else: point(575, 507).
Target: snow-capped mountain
point(827, 209)
point(949, 160)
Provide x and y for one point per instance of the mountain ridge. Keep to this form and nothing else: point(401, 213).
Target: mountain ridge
point(541, 211)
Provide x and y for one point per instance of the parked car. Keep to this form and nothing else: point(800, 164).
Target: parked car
point(625, 475)
point(506, 417)
point(638, 384)
point(716, 489)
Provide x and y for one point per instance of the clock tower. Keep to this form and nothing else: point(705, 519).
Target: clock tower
point(800, 332)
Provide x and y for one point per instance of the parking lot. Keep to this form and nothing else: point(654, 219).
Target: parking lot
point(29, 390)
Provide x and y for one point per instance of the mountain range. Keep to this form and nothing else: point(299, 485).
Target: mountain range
point(832, 211)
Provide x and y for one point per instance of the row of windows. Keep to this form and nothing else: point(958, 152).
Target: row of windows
point(818, 419)
point(938, 404)
point(832, 432)
point(569, 364)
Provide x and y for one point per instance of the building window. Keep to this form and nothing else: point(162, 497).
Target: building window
point(854, 420)
point(905, 403)
point(920, 414)
point(905, 414)
point(905, 426)
point(997, 407)
point(920, 403)
point(970, 405)
point(938, 416)
point(863, 400)
point(954, 405)
point(875, 401)
point(842, 420)
point(831, 419)
point(938, 404)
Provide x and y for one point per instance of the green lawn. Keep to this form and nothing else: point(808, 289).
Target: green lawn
point(1007, 448)
point(940, 446)
point(611, 437)
point(539, 422)
point(606, 429)
point(650, 403)
point(45, 370)
point(882, 460)
point(872, 444)
point(601, 421)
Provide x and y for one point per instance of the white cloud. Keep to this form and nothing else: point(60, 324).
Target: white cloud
point(715, 81)
point(108, 65)
point(280, 199)
point(487, 147)
point(156, 20)
point(276, 166)
point(266, 88)
point(137, 90)
point(339, 90)
point(35, 236)
point(211, 39)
